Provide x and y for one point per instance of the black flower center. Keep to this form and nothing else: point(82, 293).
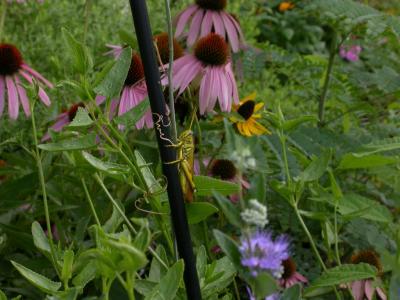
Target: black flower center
point(10, 59)
point(212, 50)
point(289, 268)
point(246, 110)
point(136, 71)
point(224, 169)
point(368, 257)
point(212, 4)
point(73, 110)
point(163, 47)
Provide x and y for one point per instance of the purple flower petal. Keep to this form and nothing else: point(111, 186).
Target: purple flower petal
point(183, 18)
point(195, 27)
point(218, 23)
point(13, 103)
point(231, 32)
point(37, 75)
point(2, 94)
point(22, 96)
point(206, 25)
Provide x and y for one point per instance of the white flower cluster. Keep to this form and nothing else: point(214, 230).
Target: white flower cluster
point(244, 158)
point(256, 214)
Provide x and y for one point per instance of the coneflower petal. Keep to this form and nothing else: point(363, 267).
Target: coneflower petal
point(191, 74)
point(183, 18)
point(357, 288)
point(123, 102)
point(218, 23)
point(2, 93)
point(100, 99)
point(231, 78)
point(37, 75)
point(225, 101)
point(195, 27)
point(214, 88)
point(380, 293)
point(206, 26)
point(231, 32)
point(204, 93)
point(44, 97)
point(22, 96)
point(13, 103)
point(369, 289)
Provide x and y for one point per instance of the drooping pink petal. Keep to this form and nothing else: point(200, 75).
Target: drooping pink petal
point(231, 32)
point(358, 288)
point(207, 23)
point(100, 99)
point(237, 26)
point(195, 27)
point(300, 277)
point(381, 294)
point(22, 96)
point(183, 18)
point(62, 121)
point(225, 97)
point(204, 92)
point(43, 97)
point(369, 289)
point(191, 74)
point(214, 89)
point(13, 103)
point(37, 75)
point(231, 76)
point(123, 102)
point(2, 94)
point(218, 23)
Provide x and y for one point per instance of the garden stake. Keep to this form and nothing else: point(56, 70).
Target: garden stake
point(168, 154)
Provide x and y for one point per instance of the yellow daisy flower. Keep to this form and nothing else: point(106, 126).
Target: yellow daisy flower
point(248, 109)
point(284, 6)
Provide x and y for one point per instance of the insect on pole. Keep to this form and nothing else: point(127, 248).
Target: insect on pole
point(168, 154)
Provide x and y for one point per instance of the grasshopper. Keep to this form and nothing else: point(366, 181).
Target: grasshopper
point(185, 161)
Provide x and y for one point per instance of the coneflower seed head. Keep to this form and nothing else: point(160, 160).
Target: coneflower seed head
point(224, 169)
point(10, 59)
point(212, 4)
point(163, 47)
point(212, 50)
point(136, 71)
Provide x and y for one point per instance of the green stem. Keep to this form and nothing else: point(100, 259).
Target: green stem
point(336, 236)
point(328, 75)
point(129, 286)
point(285, 160)
point(3, 17)
point(44, 193)
point(89, 198)
point(171, 61)
point(88, 5)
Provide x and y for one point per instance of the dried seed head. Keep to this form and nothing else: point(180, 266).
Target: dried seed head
point(212, 50)
point(10, 59)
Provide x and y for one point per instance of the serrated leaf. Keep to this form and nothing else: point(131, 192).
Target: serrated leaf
point(379, 146)
point(82, 119)
point(41, 282)
point(199, 211)
point(344, 274)
point(79, 143)
point(206, 185)
point(112, 83)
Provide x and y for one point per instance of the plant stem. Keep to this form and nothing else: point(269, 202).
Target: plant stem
point(3, 17)
point(88, 5)
point(285, 159)
point(328, 75)
point(43, 187)
point(170, 65)
point(129, 286)
point(336, 237)
point(89, 198)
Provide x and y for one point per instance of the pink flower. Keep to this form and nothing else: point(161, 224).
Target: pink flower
point(133, 93)
point(365, 288)
point(209, 16)
point(63, 119)
point(350, 53)
point(211, 65)
point(115, 50)
point(290, 275)
point(12, 68)
point(23, 1)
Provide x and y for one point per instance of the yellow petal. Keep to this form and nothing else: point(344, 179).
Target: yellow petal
point(246, 129)
point(258, 106)
point(261, 128)
point(252, 96)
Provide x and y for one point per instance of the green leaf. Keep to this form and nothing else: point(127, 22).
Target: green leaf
point(394, 288)
point(351, 161)
point(230, 211)
point(316, 168)
point(292, 293)
point(220, 278)
point(353, 205)
point(107, 167)
point(82, 62)
point(169, 284)
point(41, 282)
point(199, 211)
point(66, 272)
point(206, 185)
point(344, 274)
point(39, 238)
point(134, 259)
point(228, 246)
point(384, 145)
point(79, 143)
point(131, 117)
point(82, 119)
point(295, 123)
point(112, 83)
point(157, 270)
point(2, 295)
point(264, 285)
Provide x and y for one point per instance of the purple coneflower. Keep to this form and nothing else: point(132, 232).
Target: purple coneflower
point(63, 119)
point(12, 68)
point(210, 62)
point(133, 93)
point(350, 53)
point(23, 1)
point(290, 275)
point(207, 16)
point(115, 50)
point(366, 288)
point(162, 42)
point(261, 253)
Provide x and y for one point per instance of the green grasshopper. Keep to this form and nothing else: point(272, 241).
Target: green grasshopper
point(185, 159)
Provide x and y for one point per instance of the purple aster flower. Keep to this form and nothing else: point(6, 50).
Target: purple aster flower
point(261, 253)
point(12, 68)
point(207, 16)
point(133, 93)
point(211, 65)
point(350, 53)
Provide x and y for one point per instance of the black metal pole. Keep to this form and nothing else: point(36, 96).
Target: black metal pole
point(168, 154)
